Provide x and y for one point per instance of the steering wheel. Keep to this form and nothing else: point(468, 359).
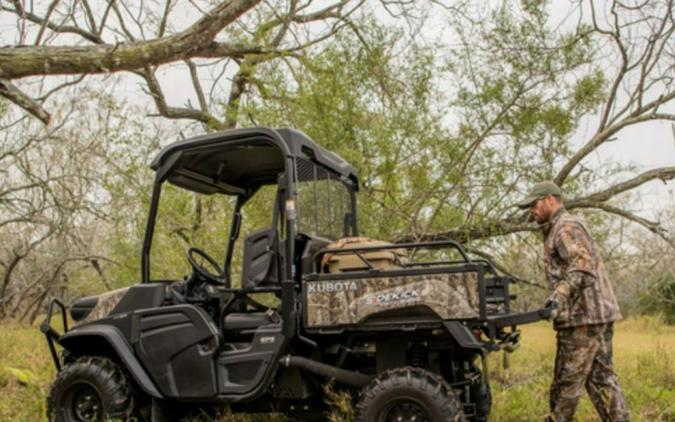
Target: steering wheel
point(204, 273)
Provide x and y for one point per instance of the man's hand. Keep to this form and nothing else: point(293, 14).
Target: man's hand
point(553, 303)
point(558, 299)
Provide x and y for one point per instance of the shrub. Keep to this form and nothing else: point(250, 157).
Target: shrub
point(660, 299)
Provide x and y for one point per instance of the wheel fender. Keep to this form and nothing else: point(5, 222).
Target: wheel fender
point(76, 340)
point(462, 335)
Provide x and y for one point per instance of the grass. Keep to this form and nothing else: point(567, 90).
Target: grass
point(644, 358)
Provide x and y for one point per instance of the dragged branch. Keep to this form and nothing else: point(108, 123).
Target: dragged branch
point(468, 233)
point(597, 200)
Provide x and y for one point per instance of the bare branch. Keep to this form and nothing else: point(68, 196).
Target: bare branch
point(120, 19)
point(175, 112)
point(58, 88)
point(664, 174)
point(195, 41)
point(483, 231)
point(51, 8)
point(519, 224)
point(653, 226)
point(99, 270)
point(31, 17)
point(198, 87)
point(639, 116)
point(15, 95)
point(165, 17)
point(616, 38)
point(90, 16)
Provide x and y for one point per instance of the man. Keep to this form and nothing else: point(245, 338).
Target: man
point(584, 311)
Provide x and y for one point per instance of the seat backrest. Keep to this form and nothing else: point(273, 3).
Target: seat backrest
point(260, 260)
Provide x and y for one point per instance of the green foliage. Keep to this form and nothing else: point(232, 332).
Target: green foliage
point(589, 91)
point(660, 298)
point(439, 147)
point(521, 89)
point(375, 106)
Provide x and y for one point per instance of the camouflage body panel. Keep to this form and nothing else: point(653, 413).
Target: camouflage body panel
point(352, 301)
point(106, 303)
point(573, 264)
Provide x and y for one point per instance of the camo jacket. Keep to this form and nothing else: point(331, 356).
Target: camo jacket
point(576, 272)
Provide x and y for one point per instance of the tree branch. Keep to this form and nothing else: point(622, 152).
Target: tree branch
point(653, 226)
point(664, 174)
point(50, 10)
point(468, 233)
point(198, 87)
point(31, 17)
point(602, 136)
point(195, 41)
point(175, 112)
point(520, 224)
point(15, 95)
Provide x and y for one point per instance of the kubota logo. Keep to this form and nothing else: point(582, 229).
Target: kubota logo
point(331, 286)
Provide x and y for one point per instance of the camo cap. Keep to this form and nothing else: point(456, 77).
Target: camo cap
point(538, 191)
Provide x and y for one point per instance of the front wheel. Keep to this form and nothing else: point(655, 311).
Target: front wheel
point(408, 394)
point(90, 389)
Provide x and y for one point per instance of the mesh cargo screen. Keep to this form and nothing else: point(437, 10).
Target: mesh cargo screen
point(324, 202)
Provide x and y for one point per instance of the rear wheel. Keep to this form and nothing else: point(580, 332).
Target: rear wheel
point(90, 389)
point(408, 394)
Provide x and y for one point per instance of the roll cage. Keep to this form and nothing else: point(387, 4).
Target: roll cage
point(239, 162)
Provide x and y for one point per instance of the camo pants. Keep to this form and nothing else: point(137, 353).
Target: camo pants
point(584, 359)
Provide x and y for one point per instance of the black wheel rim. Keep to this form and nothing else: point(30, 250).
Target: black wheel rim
point(82, 403)
point(404, 410)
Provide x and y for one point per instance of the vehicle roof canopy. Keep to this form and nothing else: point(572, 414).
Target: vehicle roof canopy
point(240, 160)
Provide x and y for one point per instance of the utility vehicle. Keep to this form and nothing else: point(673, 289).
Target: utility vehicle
point(405, 328)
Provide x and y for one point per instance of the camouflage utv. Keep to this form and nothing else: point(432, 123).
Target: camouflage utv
point(405, 328)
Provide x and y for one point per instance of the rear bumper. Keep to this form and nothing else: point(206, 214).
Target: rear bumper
point(496, 332)
point(509, 320)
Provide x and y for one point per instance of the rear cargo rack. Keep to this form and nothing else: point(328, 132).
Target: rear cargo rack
point(316, 259)
point(493, 314)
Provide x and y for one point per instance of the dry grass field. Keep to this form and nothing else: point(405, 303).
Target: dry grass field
point(644, 358)
point(644, 354)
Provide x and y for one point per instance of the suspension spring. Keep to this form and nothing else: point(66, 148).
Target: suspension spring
point(418, 355)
